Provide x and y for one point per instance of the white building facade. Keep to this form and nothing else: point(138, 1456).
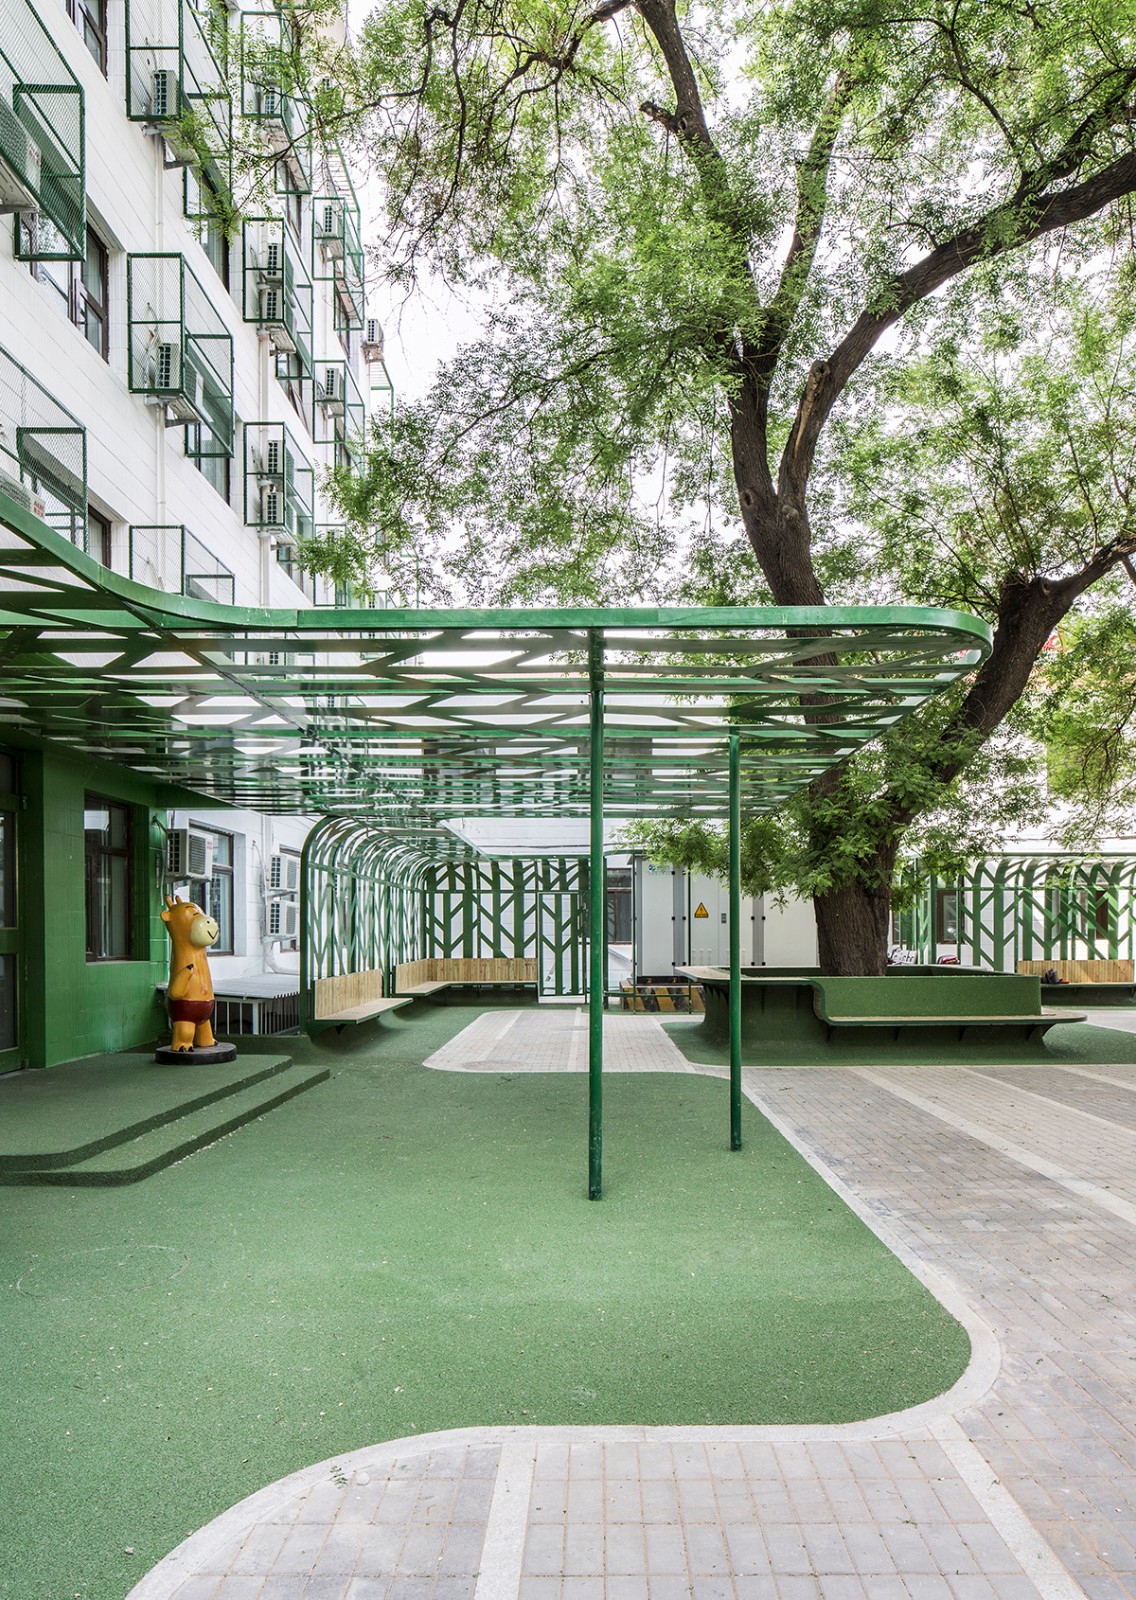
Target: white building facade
point(181, 362)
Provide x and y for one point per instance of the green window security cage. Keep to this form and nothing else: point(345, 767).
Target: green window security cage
point(157, 551)
point(337, 248)
point(176, 84)
point(279, 483)
point(338, 411)
point(43, 453)
point(42, 149)
point(181, 353)
point(269, 100)
point(277, 294)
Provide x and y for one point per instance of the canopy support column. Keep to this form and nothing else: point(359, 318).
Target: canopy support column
point(597, 978)
point(735, 945)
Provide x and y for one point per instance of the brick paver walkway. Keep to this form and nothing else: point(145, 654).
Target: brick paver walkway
point(1012, 1191)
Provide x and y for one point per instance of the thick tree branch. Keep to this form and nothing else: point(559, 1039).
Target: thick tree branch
point(1028, 612)
point(812, 199)
point(1016, 222)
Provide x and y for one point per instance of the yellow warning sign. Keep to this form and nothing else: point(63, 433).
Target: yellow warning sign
point(702, 911)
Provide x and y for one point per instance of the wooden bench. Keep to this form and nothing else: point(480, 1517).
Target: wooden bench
point(1105, 982)
point(417, 979)
point(347, 1001)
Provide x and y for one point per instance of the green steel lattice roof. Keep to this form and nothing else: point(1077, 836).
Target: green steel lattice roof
point(409, 718)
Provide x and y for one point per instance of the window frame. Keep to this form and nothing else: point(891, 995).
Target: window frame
point(80, 12)
point(101, 526)
point(226, 872)
point(77, 299)
point(92, 801)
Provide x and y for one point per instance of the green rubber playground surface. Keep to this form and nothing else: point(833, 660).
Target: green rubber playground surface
point(397, 1251)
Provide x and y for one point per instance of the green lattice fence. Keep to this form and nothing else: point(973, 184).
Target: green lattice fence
point(1026, 908)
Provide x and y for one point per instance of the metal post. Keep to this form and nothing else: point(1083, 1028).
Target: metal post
point(597, 984)
point(735, 945)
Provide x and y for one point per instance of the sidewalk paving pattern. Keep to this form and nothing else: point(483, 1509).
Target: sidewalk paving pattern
point(1015, 1187)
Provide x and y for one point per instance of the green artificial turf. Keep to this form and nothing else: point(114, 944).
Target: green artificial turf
point(401, 1250)
point(1074, 1043)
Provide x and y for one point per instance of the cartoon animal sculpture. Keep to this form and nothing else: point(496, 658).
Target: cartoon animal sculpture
point(189, 993)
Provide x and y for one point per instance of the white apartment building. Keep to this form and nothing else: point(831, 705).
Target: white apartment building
point(174, 384)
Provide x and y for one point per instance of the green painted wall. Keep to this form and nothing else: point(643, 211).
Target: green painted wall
point(73, 1007)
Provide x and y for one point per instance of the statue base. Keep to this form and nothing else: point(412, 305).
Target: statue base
point(205, 1055)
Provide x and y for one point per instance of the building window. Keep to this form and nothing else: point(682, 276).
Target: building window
point(202, 205)
point(100, 543)
point(90, 17)
point(215, 895)
point(947, 916)
point(90, 312)
point(81, 287)
point(108, 878)
point(291, 944)
point(216, 470)
point(292, 197)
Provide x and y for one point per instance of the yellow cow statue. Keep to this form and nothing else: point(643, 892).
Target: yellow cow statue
point(189, 993)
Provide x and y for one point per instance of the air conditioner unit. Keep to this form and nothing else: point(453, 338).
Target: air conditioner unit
point(165, 95)
point(21, 494)
point(328, 231)
point(373, 340)
point(189, 855)
point(271, 506)
point(284, 920)
point(189, 404)
point(330, 392)
point(276, 460)
point(167, 366)
point(284, 874)
point(272, 320)
point(273, 259)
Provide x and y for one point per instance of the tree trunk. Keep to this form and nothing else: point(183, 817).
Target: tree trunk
point(852, 930)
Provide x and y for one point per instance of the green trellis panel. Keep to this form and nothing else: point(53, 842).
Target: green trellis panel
point(1032, 908)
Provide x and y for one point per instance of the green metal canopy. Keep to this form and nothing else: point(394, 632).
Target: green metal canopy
point(409, 718)
point(403, 721)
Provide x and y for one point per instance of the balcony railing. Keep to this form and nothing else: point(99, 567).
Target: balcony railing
point(43, 453)
point(278, 290)
point(176, 82)
point(154, 547)
point(42, 152)
point(338, 412)
point(337, 248)
point(279, 483)
point(181, 353)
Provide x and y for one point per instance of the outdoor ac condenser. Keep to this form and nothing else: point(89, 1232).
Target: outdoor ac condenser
point(284, 920)
point(163, 94)
point(189, 855)
point(284, 874)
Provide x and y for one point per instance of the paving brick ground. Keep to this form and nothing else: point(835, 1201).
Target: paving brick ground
point(1015, 1185)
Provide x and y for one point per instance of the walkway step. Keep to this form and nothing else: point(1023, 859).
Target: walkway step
point(27, 1162)
point(171, 1141)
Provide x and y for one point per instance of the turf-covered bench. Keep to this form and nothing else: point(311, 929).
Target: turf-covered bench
point(797, 1010)
point(418, 979)
point(347, 1001)
point(1086, 983)
point(984, 1002)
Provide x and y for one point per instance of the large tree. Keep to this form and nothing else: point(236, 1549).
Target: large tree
point(694, 227)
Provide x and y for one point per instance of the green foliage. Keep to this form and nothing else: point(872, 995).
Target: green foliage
point(1085, 716)
point(687, 224)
